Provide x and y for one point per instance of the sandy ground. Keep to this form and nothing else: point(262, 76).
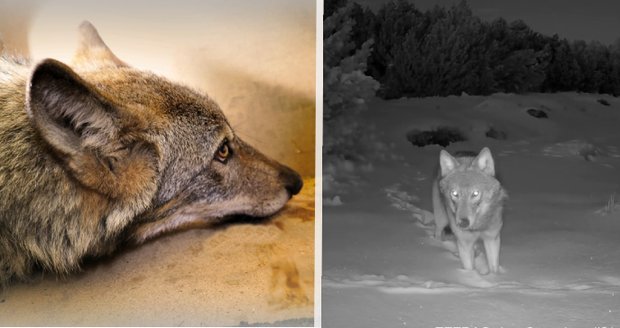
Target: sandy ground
point(237, 274)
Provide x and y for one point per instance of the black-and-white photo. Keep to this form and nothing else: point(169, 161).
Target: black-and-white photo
point(471, 161)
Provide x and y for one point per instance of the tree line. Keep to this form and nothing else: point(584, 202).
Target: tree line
point(446, 51)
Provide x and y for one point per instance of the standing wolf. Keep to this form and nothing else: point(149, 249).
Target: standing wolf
point(100, 154)
point(467, 196)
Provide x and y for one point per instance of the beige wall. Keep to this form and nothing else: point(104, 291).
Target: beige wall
point(15, 20)
point(256, 58)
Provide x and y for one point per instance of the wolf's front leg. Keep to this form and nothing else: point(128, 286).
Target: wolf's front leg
point(491, 246)
point(439, 213)
point(466, 251)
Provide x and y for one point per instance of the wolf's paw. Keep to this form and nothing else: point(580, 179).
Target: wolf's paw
point(500, 271)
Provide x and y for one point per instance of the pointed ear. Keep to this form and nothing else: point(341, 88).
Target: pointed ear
point(67, 112)
point(92, 51)
point(447, 163)
point(484, 162)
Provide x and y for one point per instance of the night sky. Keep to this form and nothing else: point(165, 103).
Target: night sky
point(584, 20)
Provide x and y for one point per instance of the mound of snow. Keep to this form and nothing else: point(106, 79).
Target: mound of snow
point(573, 148)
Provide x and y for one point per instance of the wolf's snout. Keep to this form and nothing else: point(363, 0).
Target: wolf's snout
point(463, 223)
point(292, 180)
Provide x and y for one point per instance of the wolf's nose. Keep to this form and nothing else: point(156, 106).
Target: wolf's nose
point(292, 180)
point(464, 223)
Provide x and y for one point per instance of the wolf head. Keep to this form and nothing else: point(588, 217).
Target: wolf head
point(469, 187)
point(157, 147)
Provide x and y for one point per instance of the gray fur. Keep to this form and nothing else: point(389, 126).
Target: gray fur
point(468, 197)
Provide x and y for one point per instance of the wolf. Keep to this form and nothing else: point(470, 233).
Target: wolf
point(468, 197)
point(99, 154)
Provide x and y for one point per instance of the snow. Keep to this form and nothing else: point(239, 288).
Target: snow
point(560, 253)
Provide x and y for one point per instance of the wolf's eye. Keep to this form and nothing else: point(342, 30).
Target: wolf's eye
point(476, 193)
point(454, 193)
point(223, 153)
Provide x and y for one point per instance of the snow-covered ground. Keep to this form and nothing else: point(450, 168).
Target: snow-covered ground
point(561, 237)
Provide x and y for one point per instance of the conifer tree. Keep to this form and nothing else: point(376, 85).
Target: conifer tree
point(345, 86)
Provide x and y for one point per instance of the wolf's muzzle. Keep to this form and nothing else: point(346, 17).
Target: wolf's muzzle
point(292, 180)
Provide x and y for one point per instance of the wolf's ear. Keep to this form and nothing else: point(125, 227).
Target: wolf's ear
point(68, 113)
point(484, 162)
point(92, 51)
point(447, 163)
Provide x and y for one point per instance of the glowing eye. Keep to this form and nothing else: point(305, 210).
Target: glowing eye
point(476, 193)
point(223, 152)
point(454, 193)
